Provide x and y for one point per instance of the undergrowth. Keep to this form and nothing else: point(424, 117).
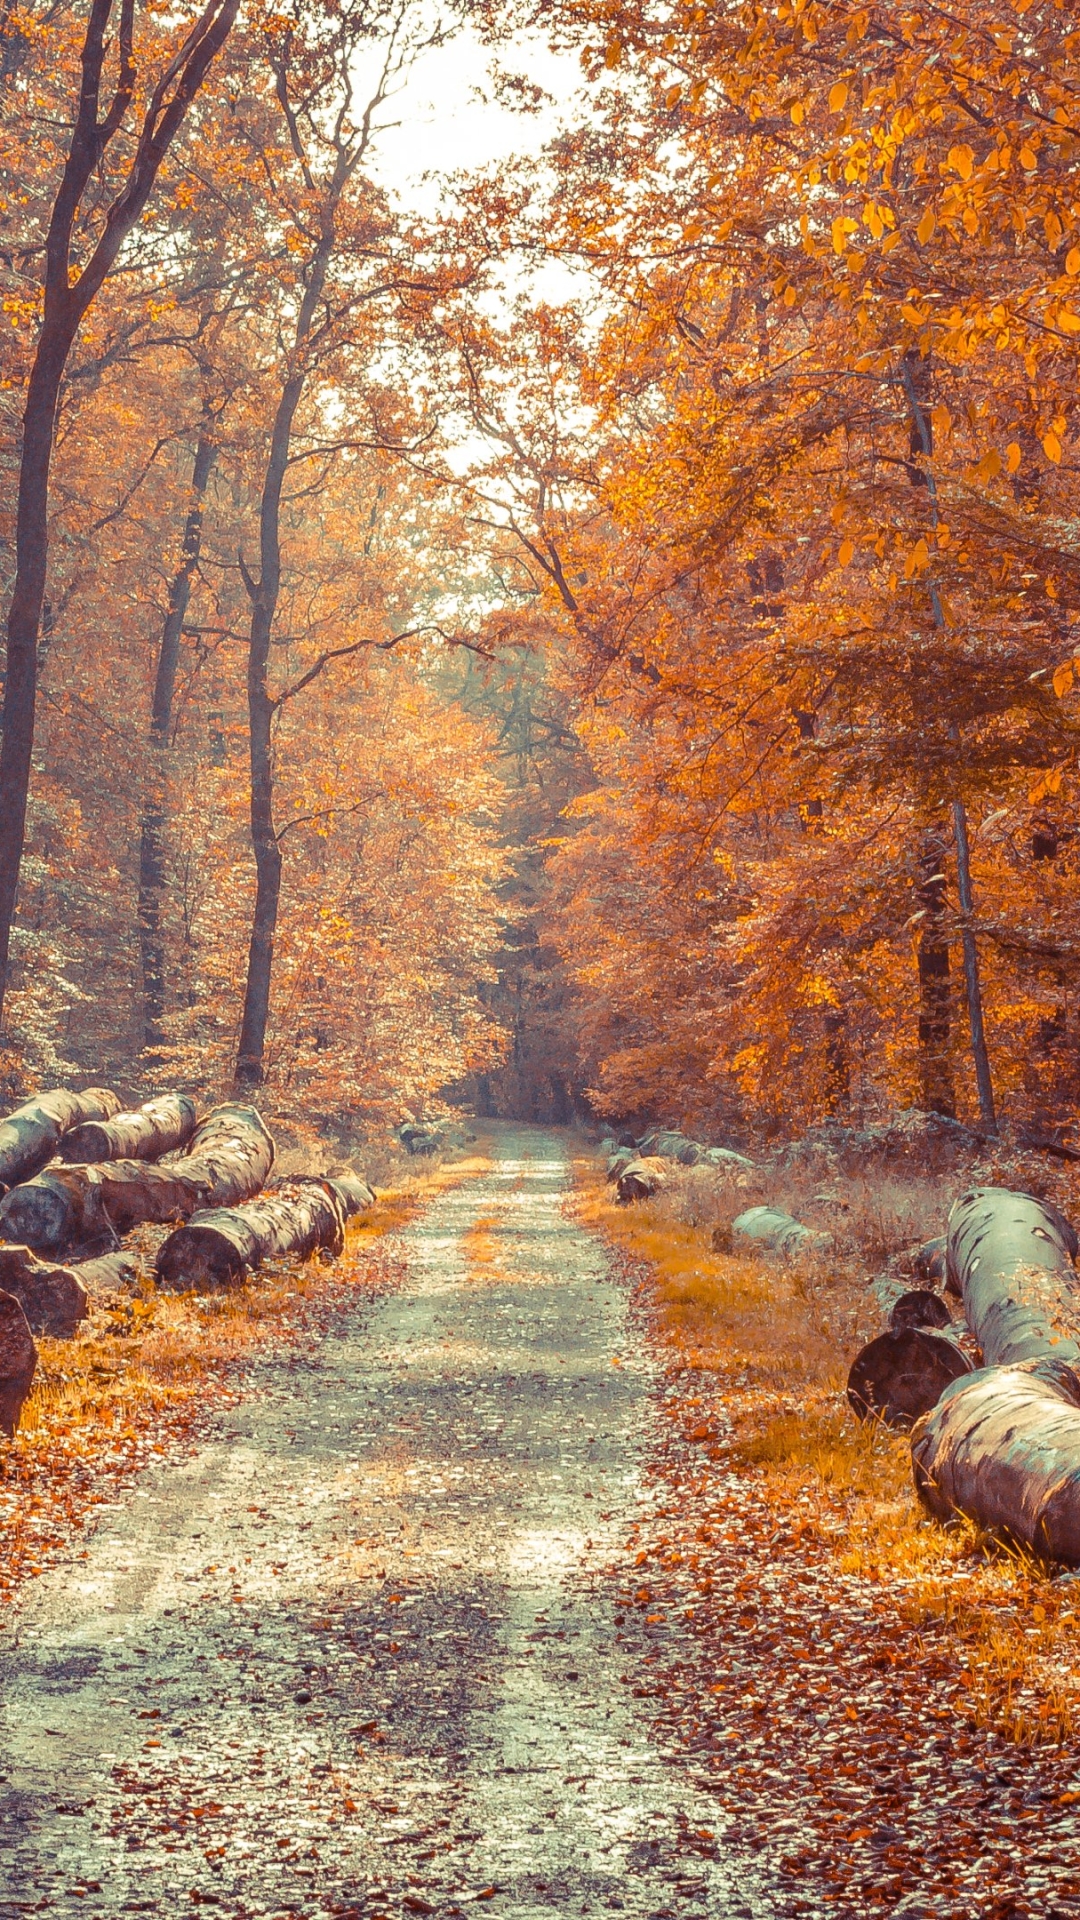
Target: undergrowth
point(775, 1340)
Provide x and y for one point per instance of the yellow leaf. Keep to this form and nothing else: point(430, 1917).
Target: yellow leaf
point(961, 160)
point(841, 227)
point(911, 314)
point(941, 418)
point(847, 550)
point(1013, 456)
point(613, 53)
point(1063, 679)
point(926, 227)
point(1053, 781)
point(798, 114)
point(1029, 159)
point(1072, 260)
point(838, 97)
point(1052, 447)
point(1068, 322)
point(672, 96)
point(990, 465)
point(1036, 793)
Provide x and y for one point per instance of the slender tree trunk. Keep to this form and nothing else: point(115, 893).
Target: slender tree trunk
point(152, 837)
point(24, 619)
point(937, 1093)
point(261, 709)
point(915, 377)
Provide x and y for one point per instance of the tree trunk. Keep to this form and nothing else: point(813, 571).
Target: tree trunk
point(936, 1091)
point(231, 1156)
point(31, 1135)
point(1004, 1447)
point(152, 835)
point(161, 1126)
point(972, 984)
point(216, 1248)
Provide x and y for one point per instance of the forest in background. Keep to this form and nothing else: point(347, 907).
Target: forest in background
point(661, 701)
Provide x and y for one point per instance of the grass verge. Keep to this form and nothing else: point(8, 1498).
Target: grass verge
point(774, 1343)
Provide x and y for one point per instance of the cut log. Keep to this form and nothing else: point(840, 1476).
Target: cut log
point(1004, 1447)
point(777, 1230)
point(618, 1162)
point(18, 1362)
point(1011, 1257)
point(231, 1154)
point(902, 1374)
point(216, 1248)
point(107, 1274)
point(919, 1308)
point(640, 1179)
point(30, 1136)
point(52, 1298)
point(354, 1194)
point(161, 1126)
point(727, 1157)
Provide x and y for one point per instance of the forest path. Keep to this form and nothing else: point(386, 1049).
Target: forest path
point(354, 1657)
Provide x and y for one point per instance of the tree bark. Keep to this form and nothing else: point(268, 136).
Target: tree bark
point(161, 1126)
point(68, 293)
point(1004, 1447)
point(216, 1248)
point(152, 834)
point(354, 1194)
point(31, 1135)
point(230, 1159)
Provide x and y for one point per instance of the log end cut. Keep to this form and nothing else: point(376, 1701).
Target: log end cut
point(18, 1362)
point(899, 1376)
point(53, 1299)
point(199, 1258)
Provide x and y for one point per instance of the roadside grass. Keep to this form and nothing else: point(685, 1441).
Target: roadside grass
point(145, 1365)
point(777, 1340)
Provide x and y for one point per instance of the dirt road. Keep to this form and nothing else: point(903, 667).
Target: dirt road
point(357, 1655)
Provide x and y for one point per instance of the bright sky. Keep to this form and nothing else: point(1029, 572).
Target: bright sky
point(448, 122)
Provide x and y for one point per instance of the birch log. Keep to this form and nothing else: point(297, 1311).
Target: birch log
point(54, 1299)
point(354, 1194)
point(30, 1136)
point(161, 1126)
point(217, 1247)
point(231, 1154)
point(1003, 1447)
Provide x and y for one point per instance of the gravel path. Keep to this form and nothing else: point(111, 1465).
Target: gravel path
point(357, 1656)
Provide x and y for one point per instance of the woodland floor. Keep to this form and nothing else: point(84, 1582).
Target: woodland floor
point(469, 1600)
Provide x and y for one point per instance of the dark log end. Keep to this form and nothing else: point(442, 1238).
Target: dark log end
point(919, 1308)
point(900, 1376)
point(36, 1216)
point(199, 1259)
point(53, 1299)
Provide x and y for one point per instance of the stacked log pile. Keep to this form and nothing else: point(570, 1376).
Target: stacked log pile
point(78, 1173)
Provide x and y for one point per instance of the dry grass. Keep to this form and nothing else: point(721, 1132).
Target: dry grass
point(778, 1339)
point(145, 1365)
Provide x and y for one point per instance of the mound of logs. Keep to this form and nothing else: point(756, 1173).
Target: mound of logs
point(161, 1126)
point(640, 1179)
point(54, 1299)
point(216, 1248)
point(18, 1362)
point(1003, 1447)
point(30, 1136)
point(231, 1154)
